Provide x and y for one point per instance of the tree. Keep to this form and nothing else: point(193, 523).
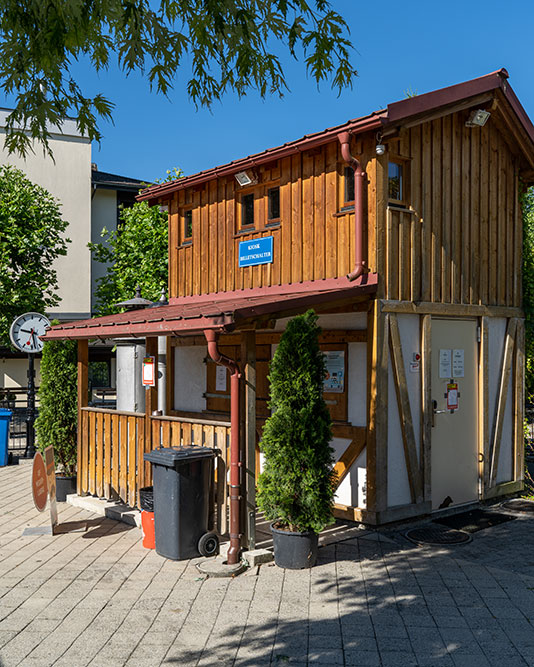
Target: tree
point(57, 422)
point(31, 238)
point(217, 45)
point(136, 254)
point(296, 486)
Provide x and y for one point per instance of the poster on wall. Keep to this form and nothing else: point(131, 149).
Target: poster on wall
point(445, 363)
point(149, 372)
point(334, 381)
point(220, 378)
point(457, 364)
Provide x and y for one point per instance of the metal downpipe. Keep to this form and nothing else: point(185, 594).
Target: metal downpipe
point(359, 176)
point(235, 496)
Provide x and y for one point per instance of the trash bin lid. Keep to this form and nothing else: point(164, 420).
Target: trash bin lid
point(5, 413)
point(171, 456)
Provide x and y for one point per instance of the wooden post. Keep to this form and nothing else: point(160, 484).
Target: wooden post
point(248, 363)
point(377, 401)
point(151, 405)
point(83, 389)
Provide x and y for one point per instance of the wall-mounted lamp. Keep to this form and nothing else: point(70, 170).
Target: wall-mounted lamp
point(380, 148)
point(245, 178)
point(477, 118)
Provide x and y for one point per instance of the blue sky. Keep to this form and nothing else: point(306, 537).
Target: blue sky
point(418, 46)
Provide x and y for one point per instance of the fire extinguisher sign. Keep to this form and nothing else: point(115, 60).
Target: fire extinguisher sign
point(149, 372)
point(452, 396)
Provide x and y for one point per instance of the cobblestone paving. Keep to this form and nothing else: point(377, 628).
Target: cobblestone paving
point(98, 598)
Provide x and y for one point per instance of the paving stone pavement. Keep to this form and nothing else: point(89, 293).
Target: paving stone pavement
point(100, 599)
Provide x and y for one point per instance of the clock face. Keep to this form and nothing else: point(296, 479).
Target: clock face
point(25, 332)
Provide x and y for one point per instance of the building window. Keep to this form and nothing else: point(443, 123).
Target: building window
point(187, 226)
point(349, 185)
point(273, 211)
point(395, 182)
point(247, 210)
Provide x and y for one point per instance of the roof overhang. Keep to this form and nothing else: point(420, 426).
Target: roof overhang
point(405, 112)
point(224, 311)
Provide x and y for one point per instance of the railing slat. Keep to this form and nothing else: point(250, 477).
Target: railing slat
point(132, 495)
point(141, 481)
point(92, 462)
point(107, 456)
point(221, 433)
point(85, 453)
point(99, 453)
point(186, 435)
point(123, 462)
point(115, 454)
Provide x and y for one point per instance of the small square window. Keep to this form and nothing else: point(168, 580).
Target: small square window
point(247, 210)
point(349, 185)
point(274, 204)
point(395, 182)
point(188, 224)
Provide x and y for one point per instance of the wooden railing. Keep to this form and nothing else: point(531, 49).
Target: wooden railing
point(111, 461)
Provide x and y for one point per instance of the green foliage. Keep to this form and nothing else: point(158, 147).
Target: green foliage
point(527, 205)
point(56, 424)
point(31, 238)
point(296, 487)
point(214, 45)
point(136, 254)
point(170, 175)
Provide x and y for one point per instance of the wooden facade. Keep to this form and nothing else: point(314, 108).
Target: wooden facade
point(443, 235)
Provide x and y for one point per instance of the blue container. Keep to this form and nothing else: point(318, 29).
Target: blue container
point(5, 418)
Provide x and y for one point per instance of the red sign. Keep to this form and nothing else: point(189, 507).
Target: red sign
point(149, 371)
point(452, 396)
point(39, 482)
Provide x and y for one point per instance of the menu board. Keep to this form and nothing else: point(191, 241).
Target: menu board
point(334, 381)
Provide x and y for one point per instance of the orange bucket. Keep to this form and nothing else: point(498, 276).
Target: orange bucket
point(147, 523)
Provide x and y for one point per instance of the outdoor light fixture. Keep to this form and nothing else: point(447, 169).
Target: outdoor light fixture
point(245, 178)
point(380, 148)
point(478, 118)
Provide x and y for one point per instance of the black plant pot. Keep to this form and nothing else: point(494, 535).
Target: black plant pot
point(64, 486)
point(294, 551)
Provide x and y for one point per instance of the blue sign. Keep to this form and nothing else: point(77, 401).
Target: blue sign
point(258, 251)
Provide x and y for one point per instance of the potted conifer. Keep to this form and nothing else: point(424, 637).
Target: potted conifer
point(295, 489)
point(56, 424)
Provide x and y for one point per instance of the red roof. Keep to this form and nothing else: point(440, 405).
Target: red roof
point(221, 311)
point(395, 114)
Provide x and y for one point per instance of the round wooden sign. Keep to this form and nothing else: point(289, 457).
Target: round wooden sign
point(39, 482)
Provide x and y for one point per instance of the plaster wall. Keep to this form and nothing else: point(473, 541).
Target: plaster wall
point(398, 485)
point(103, 215)
point(13, 373)
point(496, 336)
point(68, 178)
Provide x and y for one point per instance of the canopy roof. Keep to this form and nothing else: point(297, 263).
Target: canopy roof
point(224, 311)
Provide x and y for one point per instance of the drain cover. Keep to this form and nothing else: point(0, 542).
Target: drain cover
point(436, 534)
point(519, 505)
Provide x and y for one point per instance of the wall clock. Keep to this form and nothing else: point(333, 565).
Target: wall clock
point(25, 331)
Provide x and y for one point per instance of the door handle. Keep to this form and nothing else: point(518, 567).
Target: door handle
point(435, 411)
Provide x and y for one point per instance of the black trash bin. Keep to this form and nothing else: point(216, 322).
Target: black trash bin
point(182, 479)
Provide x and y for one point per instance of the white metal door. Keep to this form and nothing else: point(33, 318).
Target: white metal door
point(454, 386)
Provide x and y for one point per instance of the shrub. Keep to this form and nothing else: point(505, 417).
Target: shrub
point(56, 424)
point(296, 487)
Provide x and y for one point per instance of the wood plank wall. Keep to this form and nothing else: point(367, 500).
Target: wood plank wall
point(461, 240)
point(314, 239)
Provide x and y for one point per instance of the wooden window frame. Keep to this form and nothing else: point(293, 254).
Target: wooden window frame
point(404, 163)
point(275, 220)
point(244, 228)
point(348, 178)
point(262, 221)
point(184, 239)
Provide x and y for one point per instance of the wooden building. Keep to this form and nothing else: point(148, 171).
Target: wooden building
point(403, 231)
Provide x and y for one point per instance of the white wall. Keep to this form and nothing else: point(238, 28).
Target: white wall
point(496, 336)
point(13, 372)
point(190, 378)
point(68, 179)
point(103, 215)
point(398, 485)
